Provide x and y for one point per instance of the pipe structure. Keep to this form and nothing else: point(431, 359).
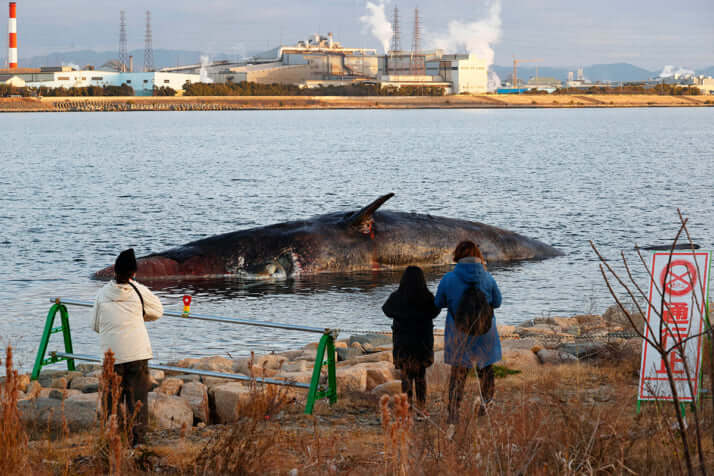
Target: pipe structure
point(12, 37)
point(206, 317)
point(206, 373)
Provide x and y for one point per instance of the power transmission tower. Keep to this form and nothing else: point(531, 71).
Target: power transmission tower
point(148, 48)
point(395, 31)
point(123, 52)
point(417, 60)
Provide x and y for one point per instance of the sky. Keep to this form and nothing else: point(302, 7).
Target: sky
point(646, 33)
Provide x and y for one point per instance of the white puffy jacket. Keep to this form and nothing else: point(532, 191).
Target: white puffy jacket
point(117, 317)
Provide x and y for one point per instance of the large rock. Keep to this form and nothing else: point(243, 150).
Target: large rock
point(351, 379)
point(47, 376)
point(169, 412)
point(298, 377)
point(585, 350)
point(156, 374)
point(376, 357)
point(170, 386)
point(614, 316)
point(393, 387)
point(62, 393)
point(215, 363)
point(555, 357)
point(378, 373)
point(349, 353)
point(85, 384)
point(270, 361)
point(298, 366)
point(196, 394)
point(42, 414)
point(227, 399)
point(375, 340)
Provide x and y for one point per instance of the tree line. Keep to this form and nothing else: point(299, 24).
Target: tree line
point(245, 88)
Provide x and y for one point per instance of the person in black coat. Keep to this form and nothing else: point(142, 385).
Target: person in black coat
point(412, 309)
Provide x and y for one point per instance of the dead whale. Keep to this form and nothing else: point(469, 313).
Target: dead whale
point(336, 242)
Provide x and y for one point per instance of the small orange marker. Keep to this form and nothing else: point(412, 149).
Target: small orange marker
point(186, 305)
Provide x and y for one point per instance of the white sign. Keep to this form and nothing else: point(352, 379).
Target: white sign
point(683, 282)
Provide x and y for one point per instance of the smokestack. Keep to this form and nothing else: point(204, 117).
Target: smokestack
point(330, 40)
point(12, 44)
point(131, 64)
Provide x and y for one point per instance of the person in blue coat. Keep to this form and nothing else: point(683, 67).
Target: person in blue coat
point(463, 351)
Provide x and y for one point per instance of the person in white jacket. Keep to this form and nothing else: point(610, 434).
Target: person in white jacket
point(118, 315)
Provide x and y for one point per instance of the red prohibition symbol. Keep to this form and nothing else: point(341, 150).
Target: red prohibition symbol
point(678, 279)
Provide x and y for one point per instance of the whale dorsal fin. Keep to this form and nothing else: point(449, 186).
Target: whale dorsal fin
point(362, 220)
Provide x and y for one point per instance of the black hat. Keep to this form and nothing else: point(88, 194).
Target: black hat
point(125, 263)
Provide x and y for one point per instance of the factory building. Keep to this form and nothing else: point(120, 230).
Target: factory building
point(143, 83)
point(456, 73)
point(705, 85)
point(319, 58)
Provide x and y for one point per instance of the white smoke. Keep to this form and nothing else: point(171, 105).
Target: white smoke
point(72, 65)
point(670, 71)
point(203, 72)
point(494, 82)
point(377, 23)
point(476, 37)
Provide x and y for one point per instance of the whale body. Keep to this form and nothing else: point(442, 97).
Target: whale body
point(336, 242)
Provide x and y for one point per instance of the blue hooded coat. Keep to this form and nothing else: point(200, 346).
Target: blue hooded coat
point(459, 348)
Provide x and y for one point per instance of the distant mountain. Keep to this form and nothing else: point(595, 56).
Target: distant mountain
point(597, 72)
point(162, 58)
point(707, 72)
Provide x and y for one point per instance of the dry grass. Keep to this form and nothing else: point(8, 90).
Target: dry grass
point(13, 440)
point(567, 419)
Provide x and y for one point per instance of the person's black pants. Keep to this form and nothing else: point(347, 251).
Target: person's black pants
point(457, 381)
point(135, 386)
point(414, 375)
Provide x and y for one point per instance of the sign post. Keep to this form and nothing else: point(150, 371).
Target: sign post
point(676, 315)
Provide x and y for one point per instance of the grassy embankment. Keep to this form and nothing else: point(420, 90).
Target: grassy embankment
point(575, 418)
point(138, 103)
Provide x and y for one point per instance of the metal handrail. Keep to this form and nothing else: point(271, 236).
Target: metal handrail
point(206, 373)
point(205, 317)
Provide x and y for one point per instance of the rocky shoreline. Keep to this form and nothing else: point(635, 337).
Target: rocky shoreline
point(186, 401)
point(232, 103)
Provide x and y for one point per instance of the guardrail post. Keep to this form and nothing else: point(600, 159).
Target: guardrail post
point(327, 344)
point(40, 360)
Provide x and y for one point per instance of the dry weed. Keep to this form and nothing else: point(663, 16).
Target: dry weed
point(13, 439)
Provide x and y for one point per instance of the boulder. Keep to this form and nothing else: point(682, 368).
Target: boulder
point(242, 365)
point(298, 366)
point(374, 340)
point(59, 382)
point(503, 331)
point(23, 382)
point(33, 390)
point(227, 399)
point(62, 393)
point(348, 353)
point(298, 377)
point(169, 412)
point(270, 361)
point(585, 350)
point(85, 384)
point(520, 359)
point(88, 368)
point(215, 363)
point(378, 373)
point(393, 387)
point(189, 377)
point(170, 386)
point(555, 357)
point(370, 349)
point(351, 379)
point(94, 373)
point(614, 316)
point(42, 414)
point(47, 376)
point(376, 357)
point(156, 374)
point(196, 394)
point(291, 354)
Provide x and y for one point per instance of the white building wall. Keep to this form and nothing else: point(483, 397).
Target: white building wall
point(470, 75)
point(142, 83)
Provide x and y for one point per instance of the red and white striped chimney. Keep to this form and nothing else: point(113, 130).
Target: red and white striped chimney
point(12, 44)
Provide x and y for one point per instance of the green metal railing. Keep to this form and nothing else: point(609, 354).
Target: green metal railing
point(316, 391)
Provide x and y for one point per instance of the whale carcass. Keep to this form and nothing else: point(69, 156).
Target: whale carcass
point(336, 242)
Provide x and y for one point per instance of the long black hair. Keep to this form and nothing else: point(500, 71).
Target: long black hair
point(413, 287)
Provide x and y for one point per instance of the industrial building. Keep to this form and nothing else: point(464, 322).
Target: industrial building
point(317, 59)
point(143, 83)
point(705, 85)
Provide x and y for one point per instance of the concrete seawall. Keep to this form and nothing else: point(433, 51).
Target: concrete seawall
point(222, 103)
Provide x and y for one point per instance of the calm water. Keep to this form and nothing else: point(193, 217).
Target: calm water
point(77, 188)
